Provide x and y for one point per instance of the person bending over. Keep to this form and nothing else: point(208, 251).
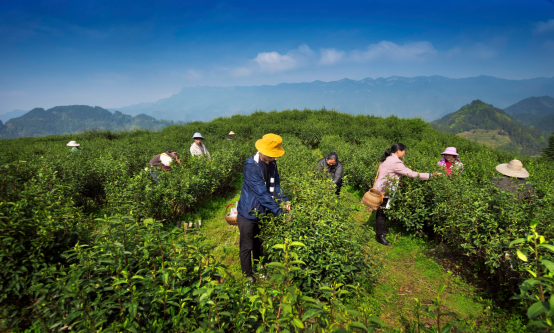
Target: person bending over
point(333, 167)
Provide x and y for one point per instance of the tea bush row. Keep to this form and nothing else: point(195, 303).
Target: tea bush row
point(141, 277)
point(108, 177)
point(335, 252)
point(467, 211)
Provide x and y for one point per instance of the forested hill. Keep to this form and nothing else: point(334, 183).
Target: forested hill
point(74, 119)
point(487, 124)
point(535, 111)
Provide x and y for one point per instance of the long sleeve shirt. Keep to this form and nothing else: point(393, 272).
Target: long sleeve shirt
point(197, 150)
point(394, 168)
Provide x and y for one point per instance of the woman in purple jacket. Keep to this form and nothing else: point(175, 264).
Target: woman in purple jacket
point(392, 168)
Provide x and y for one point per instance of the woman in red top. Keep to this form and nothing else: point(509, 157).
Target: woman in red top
point(450, 161)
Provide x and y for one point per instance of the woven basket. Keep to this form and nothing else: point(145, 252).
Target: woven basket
point(231, 220)
point(373, 198)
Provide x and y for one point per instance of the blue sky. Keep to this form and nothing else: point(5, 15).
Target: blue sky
point(118, 53)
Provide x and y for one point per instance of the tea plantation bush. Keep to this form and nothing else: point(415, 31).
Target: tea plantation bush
point(60, 267)
point(466, 210)
point(139, 277)
point(319, 219)
point(38, 223)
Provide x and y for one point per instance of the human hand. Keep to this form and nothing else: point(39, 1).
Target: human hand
point(287, 206)
point(437, 174)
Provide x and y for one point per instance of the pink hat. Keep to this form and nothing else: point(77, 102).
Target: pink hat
point(450, 151)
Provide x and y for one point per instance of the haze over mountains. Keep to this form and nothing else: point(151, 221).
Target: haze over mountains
point(427, 97)
point(535, 111)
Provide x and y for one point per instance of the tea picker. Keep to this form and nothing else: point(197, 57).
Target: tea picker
point(162, 161)
point(333, 167)
point(198, 148)
point(75, 147)
point(389, 173)
point(260, 194)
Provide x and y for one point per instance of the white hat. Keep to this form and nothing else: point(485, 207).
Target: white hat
point(513, 169)
point(232, 133)
point(197, 136)
point(72, 144)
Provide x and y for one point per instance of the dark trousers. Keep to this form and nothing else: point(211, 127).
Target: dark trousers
point(249, 242)
point(380, 227)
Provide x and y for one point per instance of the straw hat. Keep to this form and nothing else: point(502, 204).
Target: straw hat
point(197, 136)
point(72, 144)
point(231, 133)
point(513, 169)
point(450, 151)
point(270, 145)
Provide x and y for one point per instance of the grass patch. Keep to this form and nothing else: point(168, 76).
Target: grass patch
point(222, 236)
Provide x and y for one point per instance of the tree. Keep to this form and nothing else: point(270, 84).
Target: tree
point(548, 152)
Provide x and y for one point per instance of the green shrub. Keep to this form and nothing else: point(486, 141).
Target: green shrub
point(138, 276)
point(37, 226)
point(319, 219)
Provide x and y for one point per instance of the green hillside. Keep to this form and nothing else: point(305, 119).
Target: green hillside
point(90, 241)
point(493, 125)
point(75, 119)
point(535, 111)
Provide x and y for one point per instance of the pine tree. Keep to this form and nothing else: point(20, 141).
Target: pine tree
point(548, 152)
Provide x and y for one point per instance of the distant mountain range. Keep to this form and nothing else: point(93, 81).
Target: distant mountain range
point(427, 97)
point(535, 111)
point(74, 119)
point(492, 126)
point(12, 114)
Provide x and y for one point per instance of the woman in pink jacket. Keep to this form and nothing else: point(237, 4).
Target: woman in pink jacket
point(392, 168)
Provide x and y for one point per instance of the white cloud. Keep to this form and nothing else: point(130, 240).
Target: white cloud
point(273, 62)
point(330, 56)
point(391, 51)
point(542, 27)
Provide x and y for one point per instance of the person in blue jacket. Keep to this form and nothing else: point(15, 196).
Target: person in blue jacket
point(260, 195)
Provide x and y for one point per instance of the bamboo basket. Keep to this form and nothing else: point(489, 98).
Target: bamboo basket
point(231, 220)
point(373, 198)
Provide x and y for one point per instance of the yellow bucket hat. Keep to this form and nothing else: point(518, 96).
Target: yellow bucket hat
point(270, 145)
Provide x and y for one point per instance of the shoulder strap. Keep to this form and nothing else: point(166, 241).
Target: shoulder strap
point(377, 175)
